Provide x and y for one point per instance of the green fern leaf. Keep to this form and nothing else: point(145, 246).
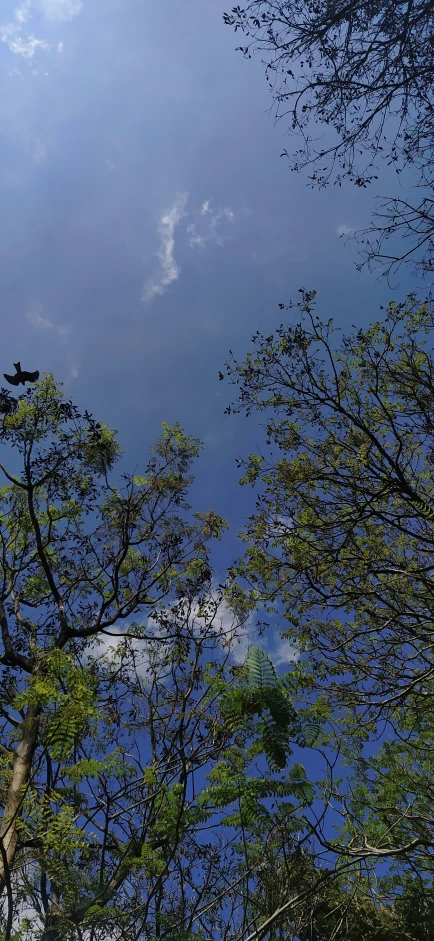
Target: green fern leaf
point(259, 670)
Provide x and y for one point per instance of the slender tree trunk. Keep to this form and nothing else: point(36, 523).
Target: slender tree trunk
point(21, 769)
point(53, 930)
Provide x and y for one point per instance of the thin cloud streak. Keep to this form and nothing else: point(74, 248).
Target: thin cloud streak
point(44, 323)
point(168, 270)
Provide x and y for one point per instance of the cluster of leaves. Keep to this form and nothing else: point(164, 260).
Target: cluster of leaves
point(262, 693)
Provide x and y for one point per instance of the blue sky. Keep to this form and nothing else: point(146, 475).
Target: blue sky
point(149, 223)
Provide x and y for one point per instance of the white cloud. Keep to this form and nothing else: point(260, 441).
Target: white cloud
point(344, 230)
point(234, 637)
point(238, 637)
point(195, 239)
point(279, 527)
point(115, 644)
point(215, 621)
point(110, 647)
point(36, 320)
point(210, 229)
point(168, 269)
point(218, 623)
point(10, 34)
point(284, 653)
point(39, 322)
point(20, 39)
point(20, 45)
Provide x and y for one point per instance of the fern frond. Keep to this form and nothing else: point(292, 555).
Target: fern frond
point(259, 670)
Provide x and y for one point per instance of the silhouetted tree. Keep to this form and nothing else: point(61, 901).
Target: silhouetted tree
point(358, 67)
point(364, 72)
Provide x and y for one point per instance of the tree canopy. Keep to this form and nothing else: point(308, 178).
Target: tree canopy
point(142, 772)
point(151, 784)
point(340, 548)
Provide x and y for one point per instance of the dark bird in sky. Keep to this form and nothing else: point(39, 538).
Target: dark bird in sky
point(21, 376)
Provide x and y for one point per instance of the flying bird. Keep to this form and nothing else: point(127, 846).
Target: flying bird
point(21, 376)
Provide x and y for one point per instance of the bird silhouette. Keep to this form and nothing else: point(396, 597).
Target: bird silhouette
point(21, 376)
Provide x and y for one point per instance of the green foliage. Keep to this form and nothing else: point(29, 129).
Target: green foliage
point(68, 694)
point(110, 717)
point(91, 833)
point(340, 548)
point(260, 692)
point(155, 788)
point(101, 450)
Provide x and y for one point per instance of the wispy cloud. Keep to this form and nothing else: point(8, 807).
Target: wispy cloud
point(233, 637)
point(168, 269)
point(18, 35)
point(211, 227)
point(237, 637)
point(218, 623)
point(22, 43)
point(223, 214)
point(60, 9)
point(195, 240)
point(39, 151)
point(39, 322)
point(113, 647)
point(344, 230)
point(284, 653)
point(121, 645)
point(74, 370)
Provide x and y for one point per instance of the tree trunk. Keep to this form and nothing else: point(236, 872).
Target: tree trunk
point(21, 769)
